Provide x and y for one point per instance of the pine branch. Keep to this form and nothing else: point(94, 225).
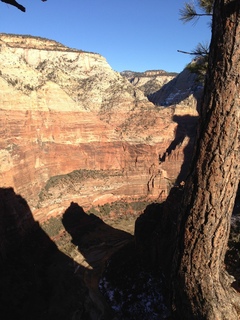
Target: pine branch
point(186, 52)
point(201, 50)
point(16, 4)
point(188, 13)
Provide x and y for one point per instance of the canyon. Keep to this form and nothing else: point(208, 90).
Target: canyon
point(83, 151)
point(75, 130)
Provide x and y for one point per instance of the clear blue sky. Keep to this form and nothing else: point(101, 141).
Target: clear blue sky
point(133, 35)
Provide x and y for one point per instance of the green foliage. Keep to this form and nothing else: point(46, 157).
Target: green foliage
point(206, 5)
point(189, 12)
point(200, 63)
point(201, 50)
point(122, 208)
point(53, 226)
point(199, 68)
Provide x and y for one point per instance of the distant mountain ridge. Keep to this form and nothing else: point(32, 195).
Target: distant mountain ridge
point(149, 81)
point(166, 88)
point(132, 74)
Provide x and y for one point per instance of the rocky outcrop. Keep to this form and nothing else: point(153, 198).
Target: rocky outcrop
point(75, 130)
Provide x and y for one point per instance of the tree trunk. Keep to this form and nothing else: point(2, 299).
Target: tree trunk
point(201, 287)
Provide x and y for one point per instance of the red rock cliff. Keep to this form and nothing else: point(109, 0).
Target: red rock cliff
point(72, 129)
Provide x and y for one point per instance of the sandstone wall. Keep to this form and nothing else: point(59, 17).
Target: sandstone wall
point(72, 129)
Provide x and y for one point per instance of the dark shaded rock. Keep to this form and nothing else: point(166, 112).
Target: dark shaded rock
point(133, 291)
point(37, 280)
point(177, 90)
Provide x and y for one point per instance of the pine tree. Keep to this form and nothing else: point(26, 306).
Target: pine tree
point(189, 13)
point(201, 287)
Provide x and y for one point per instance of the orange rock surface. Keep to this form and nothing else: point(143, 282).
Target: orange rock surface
point(72, 129)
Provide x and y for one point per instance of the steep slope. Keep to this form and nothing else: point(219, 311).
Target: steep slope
point(178, 89)
point(75, 130)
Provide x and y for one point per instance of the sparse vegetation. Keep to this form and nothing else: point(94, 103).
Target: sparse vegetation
point(73, 178)
point(53, 226)
point(120, 209)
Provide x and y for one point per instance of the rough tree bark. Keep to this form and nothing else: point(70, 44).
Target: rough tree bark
point(201, 287)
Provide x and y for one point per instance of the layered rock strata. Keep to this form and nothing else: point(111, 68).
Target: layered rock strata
point(72, 129)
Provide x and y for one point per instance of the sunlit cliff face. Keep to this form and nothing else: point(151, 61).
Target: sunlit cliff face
point(75, 130)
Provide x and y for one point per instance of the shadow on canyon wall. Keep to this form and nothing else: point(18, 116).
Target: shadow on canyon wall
point(95, 239)
point(144, 262)
point(40, 282)
point(156, 228)
point(187, 127)
point(177, 90)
